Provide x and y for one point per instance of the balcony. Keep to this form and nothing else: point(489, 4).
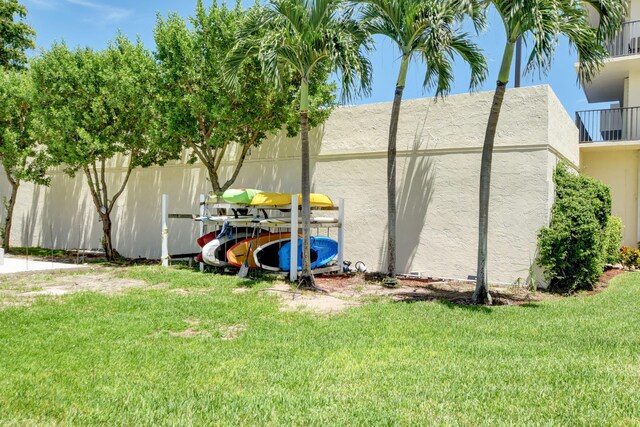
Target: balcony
point(627, 42)
point(611, 125)
point(624, 56)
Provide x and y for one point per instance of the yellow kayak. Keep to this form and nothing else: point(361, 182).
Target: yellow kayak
point(281, 199)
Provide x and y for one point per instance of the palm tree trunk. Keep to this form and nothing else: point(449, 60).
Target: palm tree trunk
point(6, 242)
point(306, 277)
point(481, 294)
point(391, 172)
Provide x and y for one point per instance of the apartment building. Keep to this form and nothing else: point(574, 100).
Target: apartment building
point(610, 137)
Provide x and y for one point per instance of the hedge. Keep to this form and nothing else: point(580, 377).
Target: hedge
point(576, 245)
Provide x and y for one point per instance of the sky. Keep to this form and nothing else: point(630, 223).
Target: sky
point(93, 23)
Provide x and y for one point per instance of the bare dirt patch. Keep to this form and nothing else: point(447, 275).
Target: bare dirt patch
point(191, 291)
point(231, 332)
point(193, 330)
point(293, 299)
point(22, 291)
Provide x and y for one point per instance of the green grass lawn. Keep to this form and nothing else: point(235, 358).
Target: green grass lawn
point(88, 358)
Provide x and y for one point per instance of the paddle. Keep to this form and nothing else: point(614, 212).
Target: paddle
point(244, 269)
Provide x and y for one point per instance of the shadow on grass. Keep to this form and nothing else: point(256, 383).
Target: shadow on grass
point(452, 300)
point(250, 282)
point(530, 305)
point(462, 298)
point(469, 307)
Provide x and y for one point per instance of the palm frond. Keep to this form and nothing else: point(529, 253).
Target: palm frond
point(542, 22)
point(431, 31)
point(307, 36)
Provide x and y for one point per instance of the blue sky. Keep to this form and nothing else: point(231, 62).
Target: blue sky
point(94, 22)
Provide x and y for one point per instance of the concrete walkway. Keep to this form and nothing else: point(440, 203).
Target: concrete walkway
point(21, 265)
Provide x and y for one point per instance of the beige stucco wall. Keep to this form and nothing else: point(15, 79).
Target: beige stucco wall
point(618, 168)
point(439, 150)
point(633, 89)
point(634, 10)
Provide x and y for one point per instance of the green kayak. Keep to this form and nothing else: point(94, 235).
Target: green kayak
point(241, 196)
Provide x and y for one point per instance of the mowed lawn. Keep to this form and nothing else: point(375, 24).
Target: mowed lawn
point(191, 351)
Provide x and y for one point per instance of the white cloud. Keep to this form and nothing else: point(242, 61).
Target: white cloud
point(108, 14)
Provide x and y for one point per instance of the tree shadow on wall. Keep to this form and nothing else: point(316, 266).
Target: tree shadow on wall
point(137, 227)
point(275, 165)
point(60, 218)
point(413, 200)
point(64, 217)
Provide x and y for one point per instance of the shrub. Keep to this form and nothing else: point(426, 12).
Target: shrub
point(630, 258)
point(612, 240)
point(573, 248)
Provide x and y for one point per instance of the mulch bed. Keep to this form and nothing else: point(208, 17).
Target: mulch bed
point(434, 289)
point(425, 289)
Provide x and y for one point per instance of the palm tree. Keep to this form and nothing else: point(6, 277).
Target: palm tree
point(540, 23)
point(429, 31)
point(307, 38)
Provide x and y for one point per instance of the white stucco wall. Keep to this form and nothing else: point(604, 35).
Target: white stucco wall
point(439, 150)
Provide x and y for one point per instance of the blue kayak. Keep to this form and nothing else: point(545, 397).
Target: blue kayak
point(323, 250)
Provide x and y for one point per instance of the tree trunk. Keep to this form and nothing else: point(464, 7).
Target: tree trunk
point(481, 294)
point(6, 242)
point(107, 243)
point(213, 178)
point(306, 277)
point(391, 173)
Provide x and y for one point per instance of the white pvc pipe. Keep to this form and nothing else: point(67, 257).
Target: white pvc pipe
point(340, 233)
point(202, 200)
point(638, 201)
point(293, 261)
point(1, 256)
point(165, 230)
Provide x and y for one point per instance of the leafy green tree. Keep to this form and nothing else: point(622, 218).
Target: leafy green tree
point(98, 111)
point(200, 112)
point(427, 31)
point(17, 146)
point(540, 23)
point(20, 153)
point(16, 36)
point(307, 38)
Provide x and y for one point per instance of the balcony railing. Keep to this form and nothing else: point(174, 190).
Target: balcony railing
point(627, 42)
point(614, 124)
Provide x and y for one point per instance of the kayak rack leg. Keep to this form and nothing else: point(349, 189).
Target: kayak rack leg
point(165, 231)
point(201, 226)
point(293, 259)
point(340, 233)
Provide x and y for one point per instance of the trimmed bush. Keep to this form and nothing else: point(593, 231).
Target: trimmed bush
point(574, 248)
point(613, 239)
point(629, 258)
